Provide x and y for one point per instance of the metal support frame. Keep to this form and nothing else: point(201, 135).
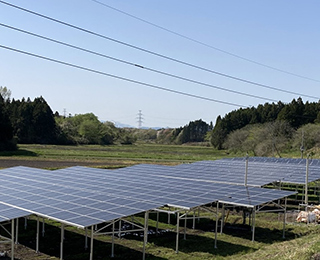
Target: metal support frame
point(100, 231)
point(145, 237)
point(146, 225)
point(91, 243)
point(216, 229)
point(246, 171)
point(112, 246)
point(284, 218)
point(120, 227)
point(280, 209)
point(306, 182)
point(157, 225)
point(194, 219)
point(185, 226)
point(6, 239)
point(37, 238)
point(43, 227)
point(143, 228)
point(222, 219)
point(253, 223)
point(61, 241)
point(12, 239)
point(17, 231)
point(177, 237)
point(185, 218)
point(86, 239)
point(259, 209)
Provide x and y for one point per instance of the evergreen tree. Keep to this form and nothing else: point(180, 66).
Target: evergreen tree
point(43, 122)
point(6, 130)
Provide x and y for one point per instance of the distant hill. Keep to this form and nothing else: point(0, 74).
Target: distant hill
point(121, 125)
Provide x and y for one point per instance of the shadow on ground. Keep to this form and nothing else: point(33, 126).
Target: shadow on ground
point(74, 245)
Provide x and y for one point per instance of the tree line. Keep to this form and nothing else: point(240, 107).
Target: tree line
point(263, 130)
point(269, 128)
point(29, 121)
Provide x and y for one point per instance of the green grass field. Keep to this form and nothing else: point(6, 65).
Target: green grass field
point(302, 241)
point(114, 155)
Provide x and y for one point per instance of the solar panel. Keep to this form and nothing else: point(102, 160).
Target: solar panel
point(8, 213)
point(84, 197)
point(53, 198)
point(261, 171)
point(282, 169)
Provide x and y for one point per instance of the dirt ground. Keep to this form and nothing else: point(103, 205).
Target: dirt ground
point(22, 253)
point(47, 164)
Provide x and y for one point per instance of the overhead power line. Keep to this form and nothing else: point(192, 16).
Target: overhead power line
point(203, 43)
point(120, 78)
point(158, 54)
point(136, 65)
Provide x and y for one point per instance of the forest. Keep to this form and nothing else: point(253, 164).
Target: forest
point(29, 121)
point(265, 130)
point(270, 128)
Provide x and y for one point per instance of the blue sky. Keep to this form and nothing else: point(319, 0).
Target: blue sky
point(281, 34)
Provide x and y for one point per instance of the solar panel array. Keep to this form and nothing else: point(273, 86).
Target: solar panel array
point(68, 199)
point(314, 162)
point(261, 171)
point(84, 197)
point(7, 213)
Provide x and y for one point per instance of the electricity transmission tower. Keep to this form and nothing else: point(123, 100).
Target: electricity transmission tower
point(140, 119)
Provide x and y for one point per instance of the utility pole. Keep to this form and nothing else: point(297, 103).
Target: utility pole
point(302, 144)
point(140, 119)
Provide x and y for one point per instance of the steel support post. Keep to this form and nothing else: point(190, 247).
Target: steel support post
point(194, 220)
point(25, 223)
point(185, 227)
point(112, 246)
point(253, 223)
point(17, 230)
point(86, 239)
point(146, 224)
point(306, 184)
point(244, 217)
point(91, 244)
point(168, 218)
point(246, 171)
point(12, 239)
point(132, 220)
point(222, 219)
point(177, 238)
point(43, 227)
point(284, 218)
point(216, 229)
point(61, 241)
point(119, 234)
point(37, 238)
point(157, 225)
point(145, 234)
